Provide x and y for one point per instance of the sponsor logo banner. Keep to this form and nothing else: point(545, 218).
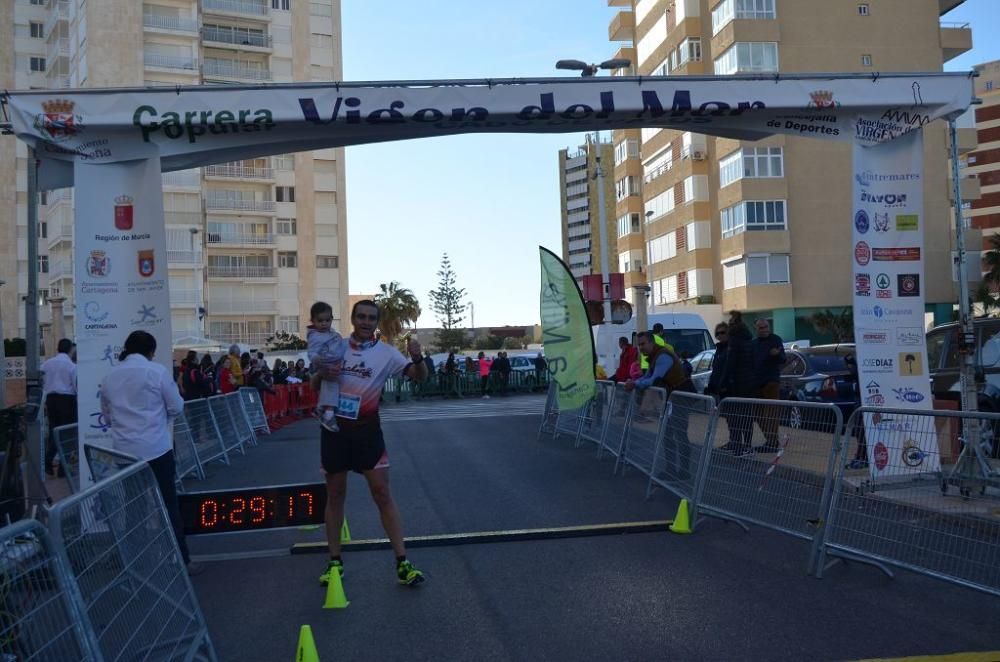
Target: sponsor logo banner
point(888, 297)
point(120, 239)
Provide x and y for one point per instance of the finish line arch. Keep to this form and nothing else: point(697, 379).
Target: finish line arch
point(115, 143)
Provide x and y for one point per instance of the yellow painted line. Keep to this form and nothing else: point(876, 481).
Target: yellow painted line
point(993, 656)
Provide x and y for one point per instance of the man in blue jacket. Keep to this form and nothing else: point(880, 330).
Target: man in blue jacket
point(768, 357)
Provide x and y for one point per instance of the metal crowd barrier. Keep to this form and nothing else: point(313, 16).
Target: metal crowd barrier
point(40, 615)
point(105, 462)
point(906, 511)
point(226, 425)
point(205, 431)
point(619, 420)
point(67, 440)
point(570, 421)
point(679, 457)
point(241, 422)
point(779, 478)
point(253, 405)
point(116, 540)
point(186, 458)
point(550, 414)
point(596, 417)
point(639, 443)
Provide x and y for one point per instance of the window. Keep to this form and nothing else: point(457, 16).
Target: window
point(286, 226)
point(866, 60)
point(43, 297)
point(288, 323)
point(728, 10)
point(36, 64)
point(628, 224)
point(320, 9)
point(284, 162)
point(43, 230)
point(280, 5)
point(321, 40)
point(660, 205)
point(43, 264)
point(753, 215)
point(689, 51)
point(327, 262)
point(37, 3)
point(284, 193)
point(863, 9)
point(625, 187)
point(37, 30)
point(731, 168)
point(767, 270)
point(626, 149)
point(43, 198)
point(744, 57)
point(752, 162)
point(662, 248)
point(288, 260)
point(989, 85)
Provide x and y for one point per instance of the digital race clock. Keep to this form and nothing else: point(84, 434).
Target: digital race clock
point(253, 509)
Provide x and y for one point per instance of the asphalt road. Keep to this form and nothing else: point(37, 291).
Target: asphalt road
point(720, 594)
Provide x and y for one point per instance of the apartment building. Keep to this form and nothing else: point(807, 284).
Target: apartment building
point(581, 212)
point(250, 244)
point(984, 162)
point(764, 226)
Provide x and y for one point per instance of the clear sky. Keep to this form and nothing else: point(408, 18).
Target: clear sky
point(488, 201)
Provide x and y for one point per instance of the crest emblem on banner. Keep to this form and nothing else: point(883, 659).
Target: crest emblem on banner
point(98, 264)
point(124, 212)
point(822, 99)
point(58, 121)
point(147, 265)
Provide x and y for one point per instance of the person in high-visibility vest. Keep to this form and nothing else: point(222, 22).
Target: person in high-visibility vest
point(657, 333)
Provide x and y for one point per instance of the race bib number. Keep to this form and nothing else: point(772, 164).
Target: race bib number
point(349, 406)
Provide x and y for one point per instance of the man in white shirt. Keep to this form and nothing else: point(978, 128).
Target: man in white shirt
point(59, 386)
point(139, 400)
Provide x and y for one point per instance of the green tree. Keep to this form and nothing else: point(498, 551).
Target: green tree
point(447, 302)
point(838, 325)
point(284, 341)
point(488, 342)
point(398, 308)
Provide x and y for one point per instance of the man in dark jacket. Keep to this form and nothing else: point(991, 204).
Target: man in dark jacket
point(738, 383)
point(768, 357)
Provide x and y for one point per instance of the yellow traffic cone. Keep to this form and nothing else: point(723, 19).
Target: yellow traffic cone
point(345, 531)
point(682, 522)
point(335, 598)
point(306, 652)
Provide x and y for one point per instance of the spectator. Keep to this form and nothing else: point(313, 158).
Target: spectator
point(429, 362)
point(485, 365)
point(768, 357)
point(860, 460)
point(227, 380)
point(208, 375)
point(59, 394)
point(503, 372)
point(739, 383)
point(138, 402)
point(628, 356)
point(235, 367)
point(658, 341)
point(470, 365)
point(280, 371)
point(192, 386)
point(541, 368)
point(686, 363)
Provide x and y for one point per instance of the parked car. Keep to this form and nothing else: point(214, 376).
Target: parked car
point(701, 366)
point(943, 359)
point(818, 374)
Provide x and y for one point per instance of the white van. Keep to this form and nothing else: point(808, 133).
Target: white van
point(687, 332)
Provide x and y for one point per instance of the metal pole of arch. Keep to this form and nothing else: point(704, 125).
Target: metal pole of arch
point(33, 381)
point(968, 367)
point(602, 215)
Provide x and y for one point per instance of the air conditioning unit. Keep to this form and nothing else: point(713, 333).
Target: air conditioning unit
point(698, 155)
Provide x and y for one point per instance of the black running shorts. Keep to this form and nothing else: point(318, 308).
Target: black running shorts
point(358, 448)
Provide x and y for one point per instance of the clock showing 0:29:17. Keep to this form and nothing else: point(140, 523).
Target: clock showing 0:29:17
point(252, 509)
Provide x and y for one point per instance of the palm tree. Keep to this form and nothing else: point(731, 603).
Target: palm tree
point(398, 307)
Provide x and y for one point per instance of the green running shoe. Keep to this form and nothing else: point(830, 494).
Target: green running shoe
point(408, 575)
point(324, 579)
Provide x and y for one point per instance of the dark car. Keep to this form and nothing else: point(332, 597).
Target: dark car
point(821, 375)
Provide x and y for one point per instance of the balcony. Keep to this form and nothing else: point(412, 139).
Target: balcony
point(241, 305)
point(58, 11)
point(190, 259)
point(232, 171)
point(182, 179)
point(57, 48)
point(60, 232)
point(945, 6)
point(232, 69)
point(252, 338)
point(56, 82)
point(172, 23)
point(255, 8)
point(182, 217)
point(622, 27)
point(239, 239)
point(236, 204)
point(61, 270)
point(971, 189)
point(956, 38)
point(185, 298)
point(176, 62)
point(235, 38)
point(242, 272)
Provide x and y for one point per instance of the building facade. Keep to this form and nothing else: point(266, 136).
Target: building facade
point(250, 244)
point(580, 208)
point(764, 226)
point(984, 162)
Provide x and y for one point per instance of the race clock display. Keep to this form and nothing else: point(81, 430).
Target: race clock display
point(253, 509)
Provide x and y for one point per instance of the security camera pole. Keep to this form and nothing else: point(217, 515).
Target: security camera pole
point(586, 71)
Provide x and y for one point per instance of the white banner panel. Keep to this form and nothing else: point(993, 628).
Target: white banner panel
point(888, 228)
point(120, 257)
point(194, 126)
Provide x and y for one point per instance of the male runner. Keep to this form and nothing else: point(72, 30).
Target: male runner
point(359, 445)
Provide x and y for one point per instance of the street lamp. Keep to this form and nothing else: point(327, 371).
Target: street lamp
point(587, 70)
